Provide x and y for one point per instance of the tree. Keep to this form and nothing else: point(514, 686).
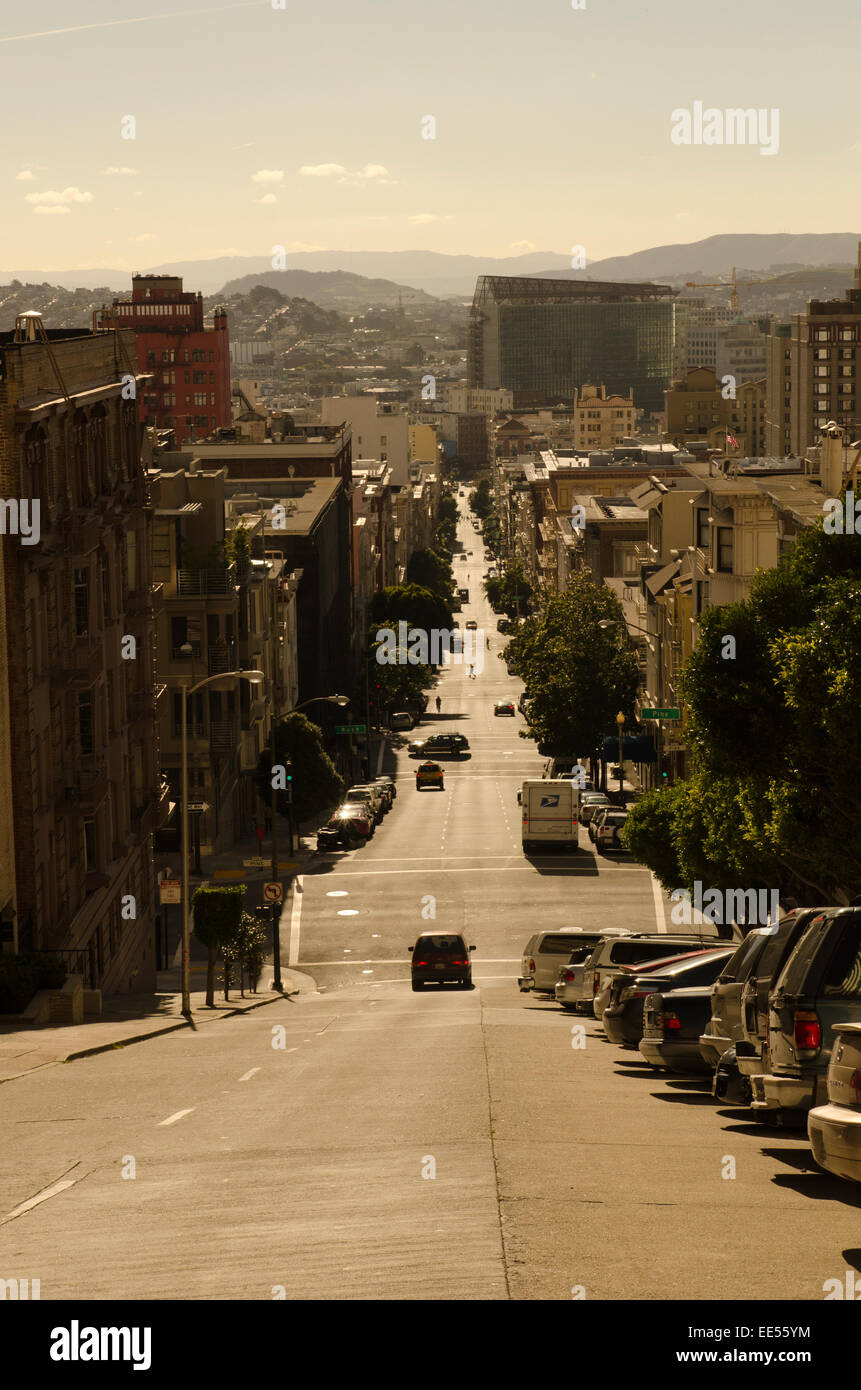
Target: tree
point(448, 509)
point(510, 592)
point(247, 949)
point(432, 571)
point(481, 500)
point(412, 603)
point(315, 785)
point(217, 914)
point(577, 674)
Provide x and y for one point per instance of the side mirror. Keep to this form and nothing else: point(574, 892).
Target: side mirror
point(472, 948)
point(411, 948)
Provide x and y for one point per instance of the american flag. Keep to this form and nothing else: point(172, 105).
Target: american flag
point(731, 440)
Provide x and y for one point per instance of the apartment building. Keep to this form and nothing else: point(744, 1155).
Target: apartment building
point(811, 372)
point(698, 408)
point(380, 430)
point(188, 363)
point(696, 333)
point(600, 421)
point(80, 682)
point(741, 350)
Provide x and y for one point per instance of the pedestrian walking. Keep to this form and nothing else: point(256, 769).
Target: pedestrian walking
point(438, 704)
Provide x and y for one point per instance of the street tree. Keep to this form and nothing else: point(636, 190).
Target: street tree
point(217, 915)
point(315, 782)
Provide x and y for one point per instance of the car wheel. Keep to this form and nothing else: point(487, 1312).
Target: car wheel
point(418, 984)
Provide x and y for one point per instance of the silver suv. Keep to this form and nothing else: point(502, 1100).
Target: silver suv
point(548, 952)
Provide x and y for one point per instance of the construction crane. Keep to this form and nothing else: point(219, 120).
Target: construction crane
point(732, 284)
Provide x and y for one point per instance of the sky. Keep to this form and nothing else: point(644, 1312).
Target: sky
point(278, 123)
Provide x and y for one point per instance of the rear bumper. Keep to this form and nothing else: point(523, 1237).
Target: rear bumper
point(772, 1092)
point(712, 1048)
point(526, 983)
point(835, 1138)
point(674, 1056)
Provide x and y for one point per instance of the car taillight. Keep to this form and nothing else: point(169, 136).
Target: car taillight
point(671, 1023)
point(419, 962)
point(532, 965)
point(596, 981)
point(568, 976)
point(855, 1084)
point(808, 1031)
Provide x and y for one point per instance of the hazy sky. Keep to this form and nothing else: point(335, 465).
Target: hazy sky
point(552, 125)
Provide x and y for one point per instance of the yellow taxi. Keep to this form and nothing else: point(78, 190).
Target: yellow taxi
point(429, 775)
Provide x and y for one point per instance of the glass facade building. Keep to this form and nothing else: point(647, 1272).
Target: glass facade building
point(552, 336)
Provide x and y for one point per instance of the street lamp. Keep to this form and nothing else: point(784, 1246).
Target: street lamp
point(254, 677)
point(620, 720)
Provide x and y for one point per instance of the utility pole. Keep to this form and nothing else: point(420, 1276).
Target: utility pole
point(276, 907)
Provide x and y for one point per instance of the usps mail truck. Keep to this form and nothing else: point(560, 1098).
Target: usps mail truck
point(550, 810)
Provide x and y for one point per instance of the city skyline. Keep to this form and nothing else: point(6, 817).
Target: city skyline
point(494, 132)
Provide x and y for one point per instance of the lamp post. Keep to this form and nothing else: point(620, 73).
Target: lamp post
point(341, 700)
point(255, 677)
point(620, 720)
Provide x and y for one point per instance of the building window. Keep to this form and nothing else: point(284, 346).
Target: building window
point(86, 734)
point(200, 378)
point(724, 549)
point(702, 528)
point(90, 856)
point(200, 398)
point(198, 355)
point(82, 603)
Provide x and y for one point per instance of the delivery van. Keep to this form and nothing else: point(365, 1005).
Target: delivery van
point(550, 810)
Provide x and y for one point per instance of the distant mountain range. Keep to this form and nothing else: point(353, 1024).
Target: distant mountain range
point(386, 273)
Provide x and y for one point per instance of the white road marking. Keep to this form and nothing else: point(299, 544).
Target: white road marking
point(295, 920)
point(510, 869)
point(172, 1119)
point(658, 894)
point(248, 1075)
point(53, 1191)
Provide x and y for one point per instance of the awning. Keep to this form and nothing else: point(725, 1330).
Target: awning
point(662, 577)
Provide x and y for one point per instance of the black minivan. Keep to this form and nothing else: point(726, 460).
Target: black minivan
point(440, 957)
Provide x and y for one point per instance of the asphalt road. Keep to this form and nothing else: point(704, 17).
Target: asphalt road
point(364, 1142)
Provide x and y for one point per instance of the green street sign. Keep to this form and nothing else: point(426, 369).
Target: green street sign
point(349, 728)
point(659, 714)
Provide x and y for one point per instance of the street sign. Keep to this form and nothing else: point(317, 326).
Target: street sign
point(256, 863)
point(198, 805)
point(170, 891)
point(272, 892)
point(349, 728)
point(659, 714)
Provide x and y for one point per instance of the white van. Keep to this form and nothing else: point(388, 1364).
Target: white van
point(550, 810)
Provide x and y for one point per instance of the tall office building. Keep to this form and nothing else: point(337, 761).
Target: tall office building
point(549, 336)
point(812, 372)
point(189, 364)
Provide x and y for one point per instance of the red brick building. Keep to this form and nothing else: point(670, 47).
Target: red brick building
point(189, 363)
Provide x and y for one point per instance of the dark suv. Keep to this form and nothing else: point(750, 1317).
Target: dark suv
point(440, 957)
point(438, 745)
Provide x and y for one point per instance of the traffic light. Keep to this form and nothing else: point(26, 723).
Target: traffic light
point(288, 769)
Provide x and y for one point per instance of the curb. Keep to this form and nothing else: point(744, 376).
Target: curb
point(160, 1032)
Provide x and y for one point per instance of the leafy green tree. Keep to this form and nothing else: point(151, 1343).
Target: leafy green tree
point(411, 603)
point(448, 509)
point(217, 915)
point(247, 950)
point(432, 571)
point(315, 785)
point(396, 686)
point(577, 674)
point(481, 500)
point(649, 833)
point(510, 592)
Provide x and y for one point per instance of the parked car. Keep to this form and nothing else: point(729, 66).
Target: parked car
point(723, 1029)
point(608, 830)
point(637, 948)
point(672, 1023)
point(503, 625)
point(453, 745)
point(440, 958)
point(354, 821)
point(402, 719)
point(622, 1019)
point(819, 987)
point(429, 775)
point(546, 952)
point(590, 804)
point(834, 1129)
point(472, 625)
point(373, 795)
point(523, 701)
point(504, 707)
point(390, 783)
point(751, 1049)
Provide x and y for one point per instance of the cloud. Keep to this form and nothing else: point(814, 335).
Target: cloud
point(268, 176)
point(372, 171)
point(120, 169)
point(145, 236)
point(419, 219)
point(55, 210)
point(68, 195)
point(321, 171)
point(522, 246)
point(268, 198)
point(25, 174)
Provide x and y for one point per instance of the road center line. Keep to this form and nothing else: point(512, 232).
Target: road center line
point(248, 1075)
point(172, 1119)
point(53, 1191)
point(295, 920)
